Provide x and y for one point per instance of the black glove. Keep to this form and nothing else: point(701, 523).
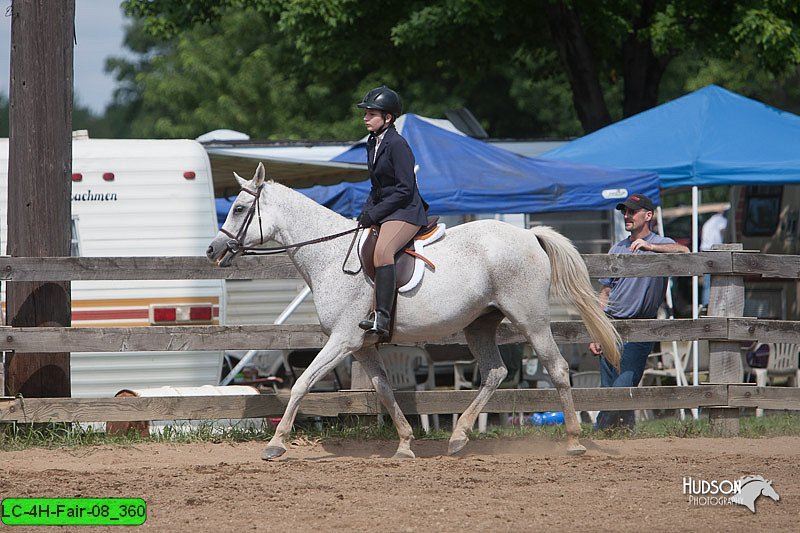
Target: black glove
point(365, 221)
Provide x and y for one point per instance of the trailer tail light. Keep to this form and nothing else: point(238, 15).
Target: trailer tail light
point(77, 176)
point(180, 314)
point(108, 176)
point(164, 314)
point(201, 313)
point(189, 175)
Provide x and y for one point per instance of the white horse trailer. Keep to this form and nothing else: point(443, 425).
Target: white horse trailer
point(138, 197)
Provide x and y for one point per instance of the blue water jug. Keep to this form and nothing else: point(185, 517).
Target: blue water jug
point(549, 418)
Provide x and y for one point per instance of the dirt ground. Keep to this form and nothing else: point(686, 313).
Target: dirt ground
point(524, 484)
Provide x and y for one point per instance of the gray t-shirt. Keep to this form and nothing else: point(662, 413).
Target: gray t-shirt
point(635, 297)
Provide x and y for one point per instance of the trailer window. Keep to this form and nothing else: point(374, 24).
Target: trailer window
point(762, 210)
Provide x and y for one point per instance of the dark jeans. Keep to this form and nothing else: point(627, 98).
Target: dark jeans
point(631, 368)
point(704, 296)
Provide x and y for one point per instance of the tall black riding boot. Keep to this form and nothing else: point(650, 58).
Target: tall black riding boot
point(379, 321)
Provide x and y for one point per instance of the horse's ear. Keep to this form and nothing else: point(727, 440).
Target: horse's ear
point(241, 180)
point(259, 176)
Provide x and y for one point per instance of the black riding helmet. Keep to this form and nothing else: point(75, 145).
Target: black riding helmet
point(384, 99)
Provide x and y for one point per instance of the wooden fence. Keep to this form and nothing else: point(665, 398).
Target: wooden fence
point(725, 332)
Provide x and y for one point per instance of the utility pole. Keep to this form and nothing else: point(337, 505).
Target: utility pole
point(39, 181)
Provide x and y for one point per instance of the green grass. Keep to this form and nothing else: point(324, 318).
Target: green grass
point(15, 436)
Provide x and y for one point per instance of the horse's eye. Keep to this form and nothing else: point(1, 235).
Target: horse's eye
point(238, 209)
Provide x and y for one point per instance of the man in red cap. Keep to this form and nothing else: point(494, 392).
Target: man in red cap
point(632, 298)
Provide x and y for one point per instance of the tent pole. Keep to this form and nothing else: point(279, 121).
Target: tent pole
point(695, 313)
point(695, 309)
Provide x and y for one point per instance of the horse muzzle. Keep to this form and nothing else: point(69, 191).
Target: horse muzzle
point(224, 256)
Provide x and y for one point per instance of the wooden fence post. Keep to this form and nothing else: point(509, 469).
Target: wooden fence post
point(726, 299)
point(39, 185)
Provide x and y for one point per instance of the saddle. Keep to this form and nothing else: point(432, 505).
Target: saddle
point(409, 261)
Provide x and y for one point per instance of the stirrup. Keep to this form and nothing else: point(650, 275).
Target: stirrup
point(378, 325)
point(368, 323)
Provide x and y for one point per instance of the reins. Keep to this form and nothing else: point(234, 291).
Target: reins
point(235, 246)
point(254, 250)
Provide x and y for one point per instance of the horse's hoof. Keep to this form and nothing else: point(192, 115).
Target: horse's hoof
point(576, 449)
point(272, 452)
point(405, 454)
point(456, 446)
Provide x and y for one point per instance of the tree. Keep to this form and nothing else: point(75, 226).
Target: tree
point(239, 73)
point(3, 115)
point(612, 54)
point(257, 35)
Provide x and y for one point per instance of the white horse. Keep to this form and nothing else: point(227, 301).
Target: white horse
point(485, 271)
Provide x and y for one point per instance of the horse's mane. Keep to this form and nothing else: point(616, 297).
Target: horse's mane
point(290, 191)
point(750, 479)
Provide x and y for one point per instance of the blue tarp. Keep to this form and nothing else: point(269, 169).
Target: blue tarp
point(223, 208)
point(708, 137)
point(460, 175)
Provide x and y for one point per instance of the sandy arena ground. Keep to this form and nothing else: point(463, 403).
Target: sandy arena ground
point(521, 484)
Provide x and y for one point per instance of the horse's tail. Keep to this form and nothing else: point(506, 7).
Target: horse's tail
point(569, 279)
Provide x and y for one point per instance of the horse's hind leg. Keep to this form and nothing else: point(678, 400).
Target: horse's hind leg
point(370, 362)
point(541, 338)
point(482, 341)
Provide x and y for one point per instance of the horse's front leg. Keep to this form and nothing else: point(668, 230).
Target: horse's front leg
point(331, 355)
point(371, 363)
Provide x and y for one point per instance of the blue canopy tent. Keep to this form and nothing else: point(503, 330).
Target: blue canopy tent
point(709, 137)
point(460, 175)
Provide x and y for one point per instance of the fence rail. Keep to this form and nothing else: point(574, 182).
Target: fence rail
point(729, 267)
point(295, 337)
point(367, 403)
point(279, 266)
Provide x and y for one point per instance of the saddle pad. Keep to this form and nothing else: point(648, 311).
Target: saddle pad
point(410, 269)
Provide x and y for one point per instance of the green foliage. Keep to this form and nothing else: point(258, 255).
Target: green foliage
point(83, 118)
point(3, 115)
point(279, 69)
point(496, 57)
point(243, 75)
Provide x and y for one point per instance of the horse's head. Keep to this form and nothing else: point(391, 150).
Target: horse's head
point(769, 491)
point(243, 227)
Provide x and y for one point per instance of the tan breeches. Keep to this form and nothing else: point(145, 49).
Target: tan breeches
point(393, 235)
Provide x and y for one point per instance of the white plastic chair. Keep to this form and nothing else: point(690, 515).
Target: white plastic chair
point(672, 362)
point(783, 361)
point(401, 363)
point(460, 383)
point(668, 363)
point(586, 380)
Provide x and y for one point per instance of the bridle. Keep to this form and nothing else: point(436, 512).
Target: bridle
point(235, 244)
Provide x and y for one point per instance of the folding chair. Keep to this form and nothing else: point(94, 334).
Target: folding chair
point(586, 380)
point(401, 364)
point(783, 361)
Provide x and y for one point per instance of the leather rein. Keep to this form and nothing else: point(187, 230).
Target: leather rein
point(235, 244)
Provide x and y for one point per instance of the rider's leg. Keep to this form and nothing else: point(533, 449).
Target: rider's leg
point(392, 236)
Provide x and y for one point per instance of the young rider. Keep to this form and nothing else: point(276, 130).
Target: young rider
point(394, 203)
